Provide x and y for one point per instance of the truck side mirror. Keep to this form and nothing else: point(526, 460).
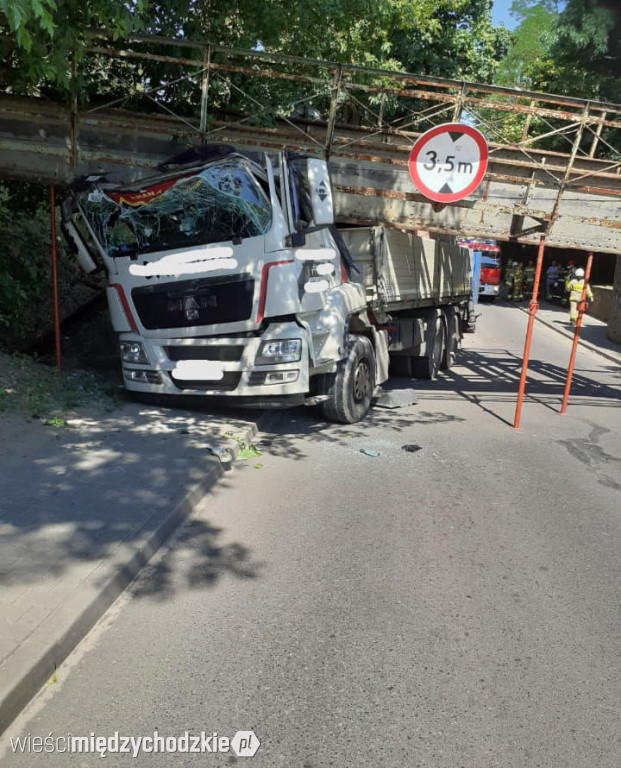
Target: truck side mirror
point(320, 192)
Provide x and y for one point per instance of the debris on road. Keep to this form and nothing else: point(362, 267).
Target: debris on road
point(368, 452)
point(411, 447)
point(221, 453)
point(397, 398)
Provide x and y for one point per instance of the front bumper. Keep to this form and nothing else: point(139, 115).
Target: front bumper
point(222, 367)
point(489, 290)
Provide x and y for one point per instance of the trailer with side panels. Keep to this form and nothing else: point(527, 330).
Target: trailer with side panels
point(229, 279)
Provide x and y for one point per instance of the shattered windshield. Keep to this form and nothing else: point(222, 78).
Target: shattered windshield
point(222, 202)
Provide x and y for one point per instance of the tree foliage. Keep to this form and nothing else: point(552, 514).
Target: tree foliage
point(528, 63)
point(24, 282)
point(587, 50)
point(440, 37)
point(459, 41)
point(575, 51)
point(45, 36)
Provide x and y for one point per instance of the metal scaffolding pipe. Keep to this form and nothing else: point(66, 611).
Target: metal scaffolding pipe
point(533, 308)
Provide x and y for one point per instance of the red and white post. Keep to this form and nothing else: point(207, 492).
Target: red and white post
point(533, 308)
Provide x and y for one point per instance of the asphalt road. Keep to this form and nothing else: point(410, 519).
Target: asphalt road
point(452, 606)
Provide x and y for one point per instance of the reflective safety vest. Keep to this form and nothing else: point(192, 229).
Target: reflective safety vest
point(529, 274)
point(568, 277)
point(575, 289)
point(509, 274)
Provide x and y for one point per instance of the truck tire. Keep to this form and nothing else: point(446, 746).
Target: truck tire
point(350, 388)
point(428, 366)
point(452, 339)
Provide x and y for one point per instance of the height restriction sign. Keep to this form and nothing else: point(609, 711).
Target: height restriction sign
point(448, 162)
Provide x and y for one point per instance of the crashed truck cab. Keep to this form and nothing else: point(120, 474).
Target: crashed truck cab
point(225, 277)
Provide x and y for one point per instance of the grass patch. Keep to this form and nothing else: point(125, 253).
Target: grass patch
point(41, 392)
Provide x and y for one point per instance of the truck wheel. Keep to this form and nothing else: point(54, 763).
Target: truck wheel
point(427, 367)
point(452, 339)
point(351, 387)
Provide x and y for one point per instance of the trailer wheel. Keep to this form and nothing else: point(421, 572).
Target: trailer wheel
point(452, 339)
point(427, 367)
point(350, 388)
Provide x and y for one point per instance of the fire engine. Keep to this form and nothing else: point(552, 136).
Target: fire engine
point(487, 254)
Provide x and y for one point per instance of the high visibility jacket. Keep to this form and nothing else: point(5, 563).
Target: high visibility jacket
point(509, 274)
point(529, 274)
point(575, 289)
point(568, 277)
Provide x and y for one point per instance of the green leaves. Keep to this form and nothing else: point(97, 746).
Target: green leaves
point(576, 51)
point(442, 37)
point(47, 34)
point(27, 18)
point(528, 58)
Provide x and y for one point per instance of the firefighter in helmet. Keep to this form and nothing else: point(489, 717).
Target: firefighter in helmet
point(568, 274)
point(575, 287)
point(518, 276)
point(509, 270)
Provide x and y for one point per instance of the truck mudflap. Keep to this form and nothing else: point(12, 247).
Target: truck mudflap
point(469, 321)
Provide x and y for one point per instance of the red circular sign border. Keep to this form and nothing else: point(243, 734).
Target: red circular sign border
point(424, 139)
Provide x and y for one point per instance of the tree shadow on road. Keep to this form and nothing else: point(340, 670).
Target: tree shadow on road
point(80, 500)
point(196, 559)
point(493, 377)
point(279, 434)
point(485, 379)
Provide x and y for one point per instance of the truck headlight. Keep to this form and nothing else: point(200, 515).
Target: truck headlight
point(133, 352)
point(280, 351)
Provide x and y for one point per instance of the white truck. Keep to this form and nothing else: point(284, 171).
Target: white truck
point(229, 279)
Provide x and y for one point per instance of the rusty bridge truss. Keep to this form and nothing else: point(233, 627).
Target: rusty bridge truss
point(554, 161)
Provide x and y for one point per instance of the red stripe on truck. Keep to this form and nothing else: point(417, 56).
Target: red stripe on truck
point(125, 305)
point(263, 290)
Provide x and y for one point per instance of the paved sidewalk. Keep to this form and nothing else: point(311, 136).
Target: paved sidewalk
point(592, 331)
point(83, 508)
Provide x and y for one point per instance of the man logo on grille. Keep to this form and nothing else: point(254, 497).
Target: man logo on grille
point(190, 307)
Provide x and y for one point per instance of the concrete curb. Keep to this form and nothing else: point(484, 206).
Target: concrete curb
point(36, 659)
point(587, 344)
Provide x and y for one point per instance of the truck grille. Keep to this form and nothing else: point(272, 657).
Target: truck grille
point(228, 383)
point(225, 353)
point(188, 303)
